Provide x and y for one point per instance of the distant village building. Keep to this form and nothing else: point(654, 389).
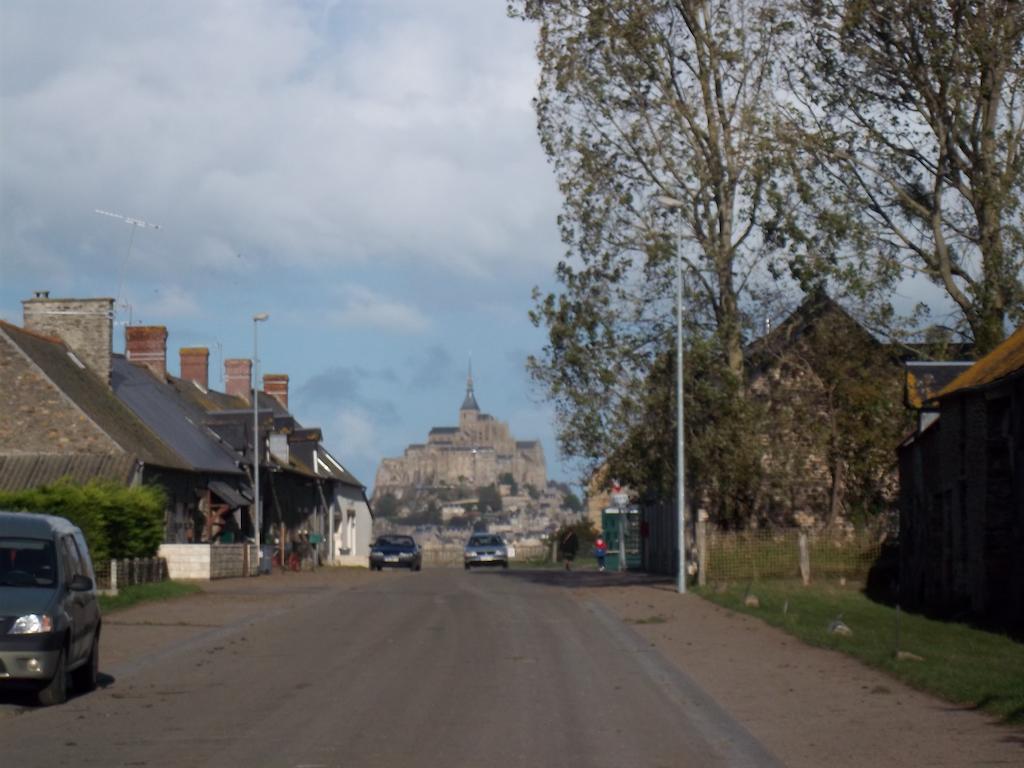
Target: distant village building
point(478, 452)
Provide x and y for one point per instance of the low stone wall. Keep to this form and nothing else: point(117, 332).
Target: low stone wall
point(204, 562)
point(352, 561)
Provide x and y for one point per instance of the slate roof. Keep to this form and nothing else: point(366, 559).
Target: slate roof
point(1003, 361)
point(93, 397)
point(18, 473)
point(178, 422)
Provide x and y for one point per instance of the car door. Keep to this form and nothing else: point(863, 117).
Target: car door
point(75, 604)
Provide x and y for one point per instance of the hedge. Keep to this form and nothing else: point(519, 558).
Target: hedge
point(117, 521)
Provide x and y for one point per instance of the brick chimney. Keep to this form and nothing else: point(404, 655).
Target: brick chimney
point(85, 325)
point(195, 365)
point(276, 385)
point(147, 345)
point(238, 377)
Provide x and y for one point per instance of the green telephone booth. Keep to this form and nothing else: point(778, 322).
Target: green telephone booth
point(629, 518)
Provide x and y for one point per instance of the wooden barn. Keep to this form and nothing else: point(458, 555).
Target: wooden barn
point(962, 496)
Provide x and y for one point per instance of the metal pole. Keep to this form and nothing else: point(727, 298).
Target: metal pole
point(257, 517)
point(680, 453)
point(256, 442)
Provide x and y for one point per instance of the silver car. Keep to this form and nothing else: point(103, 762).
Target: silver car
point(49, 616)
point(485, 549)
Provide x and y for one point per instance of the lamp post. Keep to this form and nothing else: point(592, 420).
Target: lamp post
point(257, 517)
point(673, 204)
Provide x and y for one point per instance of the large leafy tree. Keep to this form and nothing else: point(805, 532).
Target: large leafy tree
point(911, 114)
point(639, 99)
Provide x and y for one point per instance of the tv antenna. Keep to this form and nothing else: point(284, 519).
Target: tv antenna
point(135, 224)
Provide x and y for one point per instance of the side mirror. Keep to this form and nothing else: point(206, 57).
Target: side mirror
point(81, 583)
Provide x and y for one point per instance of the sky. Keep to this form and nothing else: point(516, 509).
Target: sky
point(367, 172)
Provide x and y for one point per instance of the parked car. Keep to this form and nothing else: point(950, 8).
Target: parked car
point(49, 615)
point(485, 549)
point(396, 552)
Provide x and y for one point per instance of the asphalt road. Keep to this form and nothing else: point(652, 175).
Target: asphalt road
point(437, 668)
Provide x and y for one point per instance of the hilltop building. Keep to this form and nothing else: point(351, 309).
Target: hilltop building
point(477, 453)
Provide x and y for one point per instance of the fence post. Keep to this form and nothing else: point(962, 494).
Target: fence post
point(702, 548)
point(805, 559)
point(113, 576)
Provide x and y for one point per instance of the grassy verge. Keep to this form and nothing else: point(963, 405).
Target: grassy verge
point(957, 662)
point(138, 593)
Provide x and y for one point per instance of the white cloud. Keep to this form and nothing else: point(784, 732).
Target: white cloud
point(352, 436)
point(293, 133)
point(360, 307)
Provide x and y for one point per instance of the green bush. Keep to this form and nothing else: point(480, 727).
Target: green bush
point(117, 521)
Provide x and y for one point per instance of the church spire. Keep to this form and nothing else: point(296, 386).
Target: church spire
point(469, 404)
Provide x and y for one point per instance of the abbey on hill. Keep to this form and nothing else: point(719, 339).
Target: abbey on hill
point(478, 452)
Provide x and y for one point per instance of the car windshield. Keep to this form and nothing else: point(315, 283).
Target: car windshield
point(396, 541)
point(27, 563)
point(485, 541)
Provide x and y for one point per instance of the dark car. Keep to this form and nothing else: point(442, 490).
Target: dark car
point(49, 615)
point(485, 549)
point(397, 552)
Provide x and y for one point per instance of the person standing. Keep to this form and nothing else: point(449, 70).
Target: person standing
point(600, 552)
point(569, 544)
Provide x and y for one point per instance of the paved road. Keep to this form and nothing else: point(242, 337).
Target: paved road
point(438, 668)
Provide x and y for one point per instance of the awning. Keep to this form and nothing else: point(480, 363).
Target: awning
point(231, 496)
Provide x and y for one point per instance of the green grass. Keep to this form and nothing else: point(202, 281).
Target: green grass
point(139, 593)
point(961, 664)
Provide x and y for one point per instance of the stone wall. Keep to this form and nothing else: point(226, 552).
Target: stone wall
point(85, 325)
point(37, 417)
point(204, 562)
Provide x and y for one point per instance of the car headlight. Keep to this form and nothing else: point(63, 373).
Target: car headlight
point(32, 624)
point(376, 553)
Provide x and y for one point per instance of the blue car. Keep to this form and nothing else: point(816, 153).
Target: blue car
point(395, 551)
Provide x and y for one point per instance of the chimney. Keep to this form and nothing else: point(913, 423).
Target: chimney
point(238, 377)
point(85, 325)
point(147, 345)
point(276, 385)
point(195, 365)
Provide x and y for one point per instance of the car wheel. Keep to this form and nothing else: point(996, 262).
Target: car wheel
point(417, 567)
point(505, 565)
point(56, 691)
point(84, 678)
point(467, 566)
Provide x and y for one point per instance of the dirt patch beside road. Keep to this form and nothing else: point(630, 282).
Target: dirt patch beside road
point(809, 706)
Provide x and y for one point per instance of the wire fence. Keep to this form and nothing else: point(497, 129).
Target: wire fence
point(786, 553)
point(111, 575)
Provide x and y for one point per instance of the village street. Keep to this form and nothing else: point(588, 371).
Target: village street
point(443, 667)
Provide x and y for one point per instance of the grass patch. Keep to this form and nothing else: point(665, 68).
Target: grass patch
point(144, 593)
point(959, 663)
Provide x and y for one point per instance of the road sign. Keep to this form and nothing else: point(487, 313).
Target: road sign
point(620, 499)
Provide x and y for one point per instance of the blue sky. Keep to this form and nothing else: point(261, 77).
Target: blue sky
point(365, 171)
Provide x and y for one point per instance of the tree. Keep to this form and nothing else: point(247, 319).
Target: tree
point(489, 498)
point(641, 98)
point(572, 502)
point(386, 506)
point(911, 116)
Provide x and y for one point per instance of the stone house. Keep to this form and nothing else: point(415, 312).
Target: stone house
point(962, 496)
point(61, 419)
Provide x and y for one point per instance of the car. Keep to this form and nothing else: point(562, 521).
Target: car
point(49, 615)
point(395, 551)
point(485, 549)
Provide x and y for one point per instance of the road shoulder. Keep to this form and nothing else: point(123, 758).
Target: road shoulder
point(808, 706)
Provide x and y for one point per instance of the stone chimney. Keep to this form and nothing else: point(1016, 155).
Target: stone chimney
point(238, 377)
point(195, 365)
point(85, 325)
point(147, 345)
point(276, 385)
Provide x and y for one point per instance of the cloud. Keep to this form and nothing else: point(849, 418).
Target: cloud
point(297, 134)
point(362, 307)
point(431, 368)
point(352, 434)
point(348, 385)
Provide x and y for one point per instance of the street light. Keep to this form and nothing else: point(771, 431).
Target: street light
point(256, 320)
point(673, 204)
